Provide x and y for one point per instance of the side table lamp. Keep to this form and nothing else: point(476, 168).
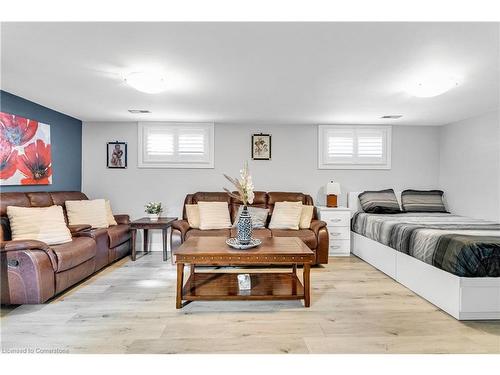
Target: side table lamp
point(332, 190)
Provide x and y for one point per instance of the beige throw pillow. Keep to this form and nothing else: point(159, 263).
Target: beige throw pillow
point(44, 224)
point(109, 214)
point(286, 215)
point(306, 217)
point(90, 212)
point(193, 215)
point(214, 215)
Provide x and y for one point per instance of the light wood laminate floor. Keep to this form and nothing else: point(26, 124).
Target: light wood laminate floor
point(130, 308)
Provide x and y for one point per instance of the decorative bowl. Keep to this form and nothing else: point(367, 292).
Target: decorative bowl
point(234, 243)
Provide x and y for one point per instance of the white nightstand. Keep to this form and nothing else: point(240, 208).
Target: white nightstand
point(338, 221)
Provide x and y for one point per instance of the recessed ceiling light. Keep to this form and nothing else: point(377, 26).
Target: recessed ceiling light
point(148, 82)
point(139, 111)
point(432, 85)
point(392, 116)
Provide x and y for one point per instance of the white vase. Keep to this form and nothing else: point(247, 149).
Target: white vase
point(153, 217)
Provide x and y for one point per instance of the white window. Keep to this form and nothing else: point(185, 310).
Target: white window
point(354, 147)
point(175, 145)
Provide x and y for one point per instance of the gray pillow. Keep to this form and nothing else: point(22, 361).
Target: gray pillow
point(258, 215)
point(423, 201)
point(379, 202)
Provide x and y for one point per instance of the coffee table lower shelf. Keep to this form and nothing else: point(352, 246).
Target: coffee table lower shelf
point(224, 287)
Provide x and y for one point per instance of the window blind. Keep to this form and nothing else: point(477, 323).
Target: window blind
point(176, 145)
point(354, 147)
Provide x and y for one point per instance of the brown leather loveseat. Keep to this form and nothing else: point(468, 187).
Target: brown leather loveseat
point(33, 272)
point(316, 237)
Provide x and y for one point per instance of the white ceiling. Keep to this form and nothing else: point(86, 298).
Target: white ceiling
point(344, 73)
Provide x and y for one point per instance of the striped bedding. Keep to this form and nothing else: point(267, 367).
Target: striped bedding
point(459, 245)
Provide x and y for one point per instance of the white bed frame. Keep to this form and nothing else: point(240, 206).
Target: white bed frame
point(464, 298)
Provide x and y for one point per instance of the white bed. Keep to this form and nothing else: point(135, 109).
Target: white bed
point(464, 298)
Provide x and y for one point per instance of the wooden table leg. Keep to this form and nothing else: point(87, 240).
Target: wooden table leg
point(145, 240)
point(307, 285)
point(192, 269)
point(170, 245)
point(164, 243)
point(133, 233)
point(180, 284)
point(294, 269)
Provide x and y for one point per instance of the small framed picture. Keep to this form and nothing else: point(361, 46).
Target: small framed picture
point(116, 154)
point(261, 146)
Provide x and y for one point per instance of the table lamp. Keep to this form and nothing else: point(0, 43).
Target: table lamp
point(332, 190)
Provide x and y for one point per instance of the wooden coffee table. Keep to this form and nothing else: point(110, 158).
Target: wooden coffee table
point(212, 286)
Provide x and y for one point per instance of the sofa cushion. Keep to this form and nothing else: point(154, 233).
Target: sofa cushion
point(118, 234)
point(259, 216)
point(286, 215)
point(208, 233)
point(306, 216)
point(214, 215)
point(109, 213)
point(74, 253)
point(256, 233)
point(305, 235)
point(193, 215)
point(44, 224)
point(91, 212)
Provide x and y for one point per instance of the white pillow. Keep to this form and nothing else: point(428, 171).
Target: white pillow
point(286, 215)
point(214, 215)
point(44, 224)
point(90, 212)
point(193, 215)
point(306, 217)
point(109, 214)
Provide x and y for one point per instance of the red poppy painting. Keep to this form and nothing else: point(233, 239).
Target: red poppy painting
point(25, 157)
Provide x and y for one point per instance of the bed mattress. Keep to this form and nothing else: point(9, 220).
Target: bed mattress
point(463, 246)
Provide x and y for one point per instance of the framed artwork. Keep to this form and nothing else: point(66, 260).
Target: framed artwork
point(116, 154)
point(25, 157)
point(261, 146)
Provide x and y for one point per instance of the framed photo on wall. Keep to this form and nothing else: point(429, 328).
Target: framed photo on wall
point(261, 146)
point(116, 154)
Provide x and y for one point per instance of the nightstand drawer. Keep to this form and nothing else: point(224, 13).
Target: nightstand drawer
point(339, 247)
point(339, 233)
point(340, 219)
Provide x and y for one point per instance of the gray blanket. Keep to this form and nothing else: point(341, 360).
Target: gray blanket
point(460, 245)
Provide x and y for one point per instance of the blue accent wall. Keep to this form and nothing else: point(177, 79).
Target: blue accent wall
point(65, 139)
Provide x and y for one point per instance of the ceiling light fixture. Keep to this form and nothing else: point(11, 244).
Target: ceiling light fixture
point(432, 85)
point(393, 117)
point(139, 111)
point(148, 82)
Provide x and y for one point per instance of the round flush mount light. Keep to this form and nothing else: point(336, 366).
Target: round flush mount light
point(432, 85)
point(148, 82)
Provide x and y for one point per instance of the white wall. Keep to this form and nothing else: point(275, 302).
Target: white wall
point(415, 164)
point(470, 166)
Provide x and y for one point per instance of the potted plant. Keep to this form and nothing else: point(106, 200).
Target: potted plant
point(153, 209)
point(244, 193)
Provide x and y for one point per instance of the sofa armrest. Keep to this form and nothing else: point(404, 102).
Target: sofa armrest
point(29, 245)
point(28, 272)
point(321, 231)
point(182, 226)
point(92, 233)
point(316, 225)
point(122, 219)
point(79, 228)
point(6, 246)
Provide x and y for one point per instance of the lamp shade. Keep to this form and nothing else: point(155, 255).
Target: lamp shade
point(332, 188)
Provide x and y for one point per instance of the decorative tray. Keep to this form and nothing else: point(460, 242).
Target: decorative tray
point(234, 243)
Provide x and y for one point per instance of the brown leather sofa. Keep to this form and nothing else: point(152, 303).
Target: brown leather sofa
point(33, 272)
point(316, 237)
